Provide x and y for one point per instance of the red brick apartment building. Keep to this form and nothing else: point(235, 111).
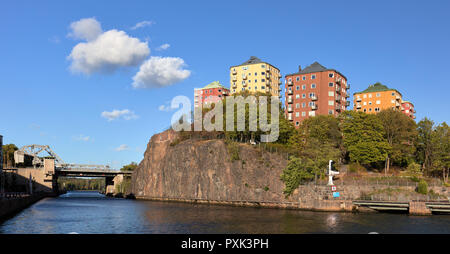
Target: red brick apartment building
point(313, 91)
point(210, 94)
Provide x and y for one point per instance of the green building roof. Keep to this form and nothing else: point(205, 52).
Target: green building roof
point(377, 87)
point(215, 84)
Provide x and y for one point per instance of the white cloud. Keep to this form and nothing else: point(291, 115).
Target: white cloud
point(115, 114)
point(104, 51)
point(165, 107)
point(163, 47)
point(82, 137)
point(160, 72)
point(86, 29)
point(143, 24)
point(122, 148)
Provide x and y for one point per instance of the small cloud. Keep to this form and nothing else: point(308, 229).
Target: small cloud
point(116, 114)
point(160, 72)
point(122, 148)
point(163, 47)
point(82, 137)
point(165, 108)
point(35, 126)
point(86, 29)
point(143, 24)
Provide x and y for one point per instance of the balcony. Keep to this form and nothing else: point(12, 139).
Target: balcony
point(358, 99)
point(290, 83)
point(280, 76)
point(234, 72)
point(337, 108)
point(234, 78)
point(314, 107)
point(358, 106)
point(314, 98)
point(267, 68)
point(289, 100)
point(234, 85)
point(280, 89)
point(338, 98)
point(244, 84)
point(397, 97)
point(338, 80)
point(397, 104)
point(290, 91)
point(244, 77)
point(290, 109)
point(347, 86)
point(347, 96)
point(338, 89)
point(267, 75)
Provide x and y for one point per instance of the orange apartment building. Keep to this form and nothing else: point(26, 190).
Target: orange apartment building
point(313, 91)
point(378, 97)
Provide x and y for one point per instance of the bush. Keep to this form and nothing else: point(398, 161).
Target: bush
point(266, 188)
point(233, 150)
point(413, 169)
point(355, 168)
point(423, 187)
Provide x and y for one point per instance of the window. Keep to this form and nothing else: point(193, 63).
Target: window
point(290, 80)
point(364, 103)
point(297, 96)
point(297, 123)
point(331, 103)
point(378, 102)
point(365, 96)
point(250, 74)
point(370, 95)
point(234, 90)
point(220, 95)
point(370, 103)
point(297, 105)
point(263, 80)
point(392, 93)
point(243, 82)
point(311, 95)
point(365, 110)
point(263, 66)
point(331, 75)
point(263, 87)
point(377, 109)
point(256, 74)
point(303, 113)
point(303, 104)
point(313, 85)
point(304, 78)
point(243, 89)
point(249, 81)
point(263, 73)
point(330, 93)
point(312, 113)
point(378, 94)
point(330, 112)
point(220, 90)
point(311, 103)
point(313, 76)
point(245, 68)
point(297, 79)
point(370, 109)
point(331, 84)
point(256, 80)
point(256, 88)
point(303, 87)
point(304, 95)
point(297, 88)
point(297, 114)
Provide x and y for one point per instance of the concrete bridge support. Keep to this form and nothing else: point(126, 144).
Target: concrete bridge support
point(112, 184)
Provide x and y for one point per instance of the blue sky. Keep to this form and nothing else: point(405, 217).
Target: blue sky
point(403, 44)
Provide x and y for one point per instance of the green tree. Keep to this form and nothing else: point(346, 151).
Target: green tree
point(441, 150)
point(298, 170)
point(400, 131)
point(130, 167)
point(8, 154)
point(425, 143)
point(364, 137)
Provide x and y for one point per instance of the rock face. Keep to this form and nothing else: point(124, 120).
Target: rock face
point(203, 170)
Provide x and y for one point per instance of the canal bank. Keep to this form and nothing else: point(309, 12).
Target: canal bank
point(12, 205)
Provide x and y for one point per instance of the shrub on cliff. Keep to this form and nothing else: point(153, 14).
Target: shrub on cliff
point(233, 149)
point(422, 188)
point(298, 171)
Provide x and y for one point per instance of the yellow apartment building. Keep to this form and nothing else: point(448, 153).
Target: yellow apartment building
point(255, 75)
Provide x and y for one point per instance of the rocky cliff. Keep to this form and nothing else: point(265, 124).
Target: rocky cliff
point(203, 170)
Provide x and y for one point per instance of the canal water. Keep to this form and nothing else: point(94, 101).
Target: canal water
point(90, 212)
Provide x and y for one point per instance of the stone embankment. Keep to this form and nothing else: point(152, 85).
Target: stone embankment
point(203, 172)
point(13, 205)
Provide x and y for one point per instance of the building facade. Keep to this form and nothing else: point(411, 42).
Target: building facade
point(210, 94)
point(378, 97)
point(255, 75)
point(408, 109)
point(313, 91)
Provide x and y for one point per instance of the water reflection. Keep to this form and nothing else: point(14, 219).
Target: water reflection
point(88, 212)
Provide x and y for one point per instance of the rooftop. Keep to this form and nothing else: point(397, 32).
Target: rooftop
point(215, 84)
point(254, 60)
point(315, 67)
point(377, 87)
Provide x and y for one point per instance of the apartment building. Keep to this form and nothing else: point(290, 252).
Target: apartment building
point(315, 90)
point(408, 109)
point(210, 94)
point(255, 75)
point(378, 97)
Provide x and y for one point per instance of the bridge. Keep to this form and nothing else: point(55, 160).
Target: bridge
point(47, 169)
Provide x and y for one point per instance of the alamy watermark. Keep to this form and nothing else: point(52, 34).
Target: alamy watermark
point(235, 115)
